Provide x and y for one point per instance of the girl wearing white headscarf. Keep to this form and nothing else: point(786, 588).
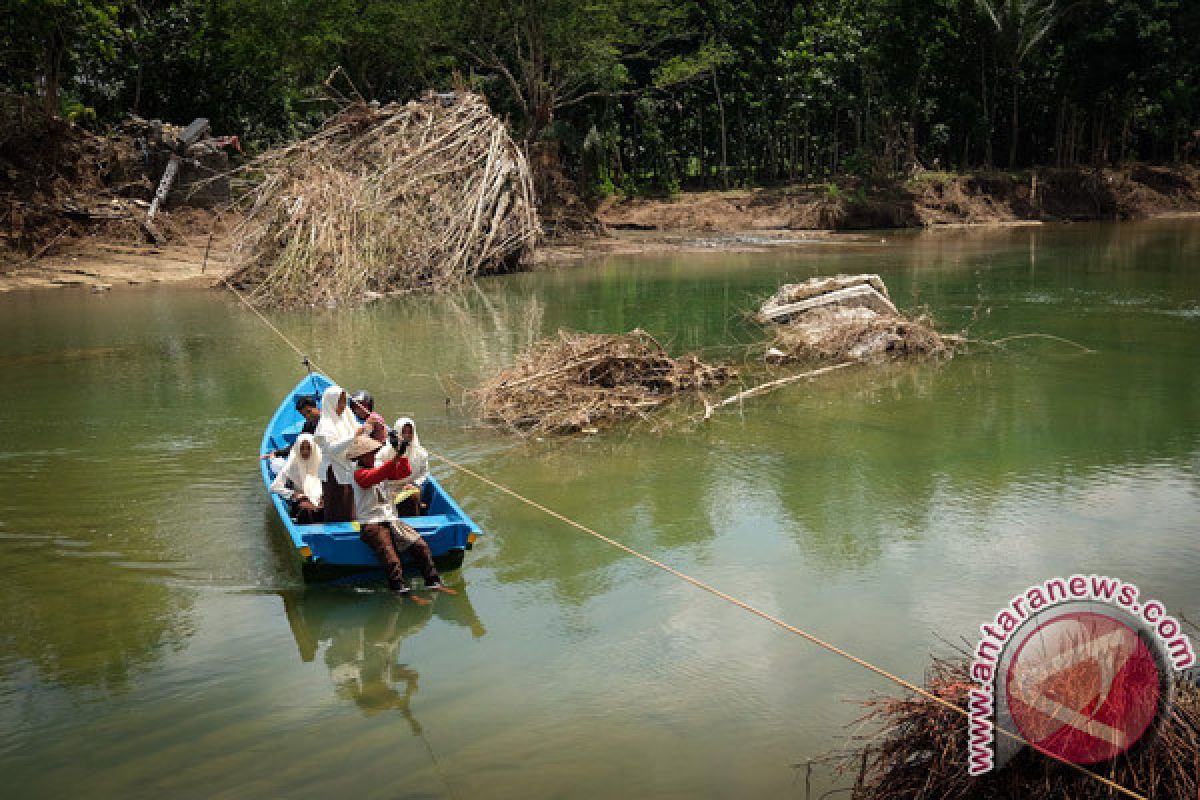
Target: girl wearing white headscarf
point(299, 483)
point(335, 431)
point(418, 461)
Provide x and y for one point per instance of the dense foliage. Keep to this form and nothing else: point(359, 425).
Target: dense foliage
point(655, 93)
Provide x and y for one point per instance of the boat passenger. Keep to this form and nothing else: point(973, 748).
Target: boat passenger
point(335, 433)
point(377, 429)
point(380, 528)
point(418, 460)
point(299, 481)
point(307, 406)
point(362, 404)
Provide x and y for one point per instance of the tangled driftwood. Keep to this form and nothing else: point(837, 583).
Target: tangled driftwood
point(922, 752)
point(844, 318)
point(384, 199)
point(578, 381)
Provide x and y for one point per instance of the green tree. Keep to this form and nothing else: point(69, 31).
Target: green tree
point(1020, 26)
point(552, 55)
point(44, 40)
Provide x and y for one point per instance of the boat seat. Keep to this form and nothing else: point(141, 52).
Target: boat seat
point(428, 522)
point(422, 525)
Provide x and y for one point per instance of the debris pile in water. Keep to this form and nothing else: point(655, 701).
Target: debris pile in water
point(844, 318)
point(387, 198)
point(922, 752)
point(576, 382)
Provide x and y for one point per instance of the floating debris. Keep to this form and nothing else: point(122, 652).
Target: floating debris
point(844, 318)
point(921, 752)
point(577, 382)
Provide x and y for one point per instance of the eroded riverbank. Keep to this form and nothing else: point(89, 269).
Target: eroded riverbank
point(738, 221)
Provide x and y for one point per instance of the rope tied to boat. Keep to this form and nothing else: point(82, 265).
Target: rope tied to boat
point(728, 598)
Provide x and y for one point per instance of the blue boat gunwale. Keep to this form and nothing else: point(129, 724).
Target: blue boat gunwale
point(446, 528)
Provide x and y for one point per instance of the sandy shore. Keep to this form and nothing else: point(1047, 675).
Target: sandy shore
point(102, 265)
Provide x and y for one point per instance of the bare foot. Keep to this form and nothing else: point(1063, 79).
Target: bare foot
point(421, 601)
point(442, 589)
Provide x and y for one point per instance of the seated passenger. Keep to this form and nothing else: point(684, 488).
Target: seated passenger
point(298, 482)
point(335, 433)
point(410, 504)
point(362, 404)
point(307, 406)
point(380, 528)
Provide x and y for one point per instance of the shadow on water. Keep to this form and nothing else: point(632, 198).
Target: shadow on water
point(358, 635)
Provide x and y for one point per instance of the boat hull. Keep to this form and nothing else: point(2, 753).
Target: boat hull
point(334, 550)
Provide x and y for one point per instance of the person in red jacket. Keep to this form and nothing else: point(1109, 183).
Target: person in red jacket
point(380, 528)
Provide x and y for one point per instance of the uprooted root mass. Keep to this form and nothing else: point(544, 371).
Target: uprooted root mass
point(393, 198)
point(578, 381)
point(922, 753)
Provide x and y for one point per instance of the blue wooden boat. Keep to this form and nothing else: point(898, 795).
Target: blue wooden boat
point(333, 550)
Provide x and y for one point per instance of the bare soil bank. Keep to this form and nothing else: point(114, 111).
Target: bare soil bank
point(741, 220)
point(928, 200)
point(104, 261)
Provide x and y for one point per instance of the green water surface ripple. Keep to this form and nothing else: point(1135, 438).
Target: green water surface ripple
point(156, 638)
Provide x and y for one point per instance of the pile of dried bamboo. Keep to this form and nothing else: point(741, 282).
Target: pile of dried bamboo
point(387, 199)
point(922, 753)
point(578, 381)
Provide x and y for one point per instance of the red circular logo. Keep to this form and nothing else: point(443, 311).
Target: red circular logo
point(1084, 687)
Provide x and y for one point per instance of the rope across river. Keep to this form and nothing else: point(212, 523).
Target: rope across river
point(715, 592)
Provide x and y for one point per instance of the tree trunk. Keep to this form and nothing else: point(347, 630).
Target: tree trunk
point(807, 165)
point(837, 141)
point(1059, 127)
point(987, 114)
point(724, 132)
point(52, 73)
point(1016, 90)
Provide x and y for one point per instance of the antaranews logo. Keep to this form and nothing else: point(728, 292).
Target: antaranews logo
point(1079, 667)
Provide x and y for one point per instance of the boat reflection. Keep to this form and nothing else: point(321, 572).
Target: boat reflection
point(358, 635)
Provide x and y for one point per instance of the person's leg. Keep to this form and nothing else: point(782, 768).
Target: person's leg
point(331, 492)
point(306, 513)
point(424, 558)
point(379, 539)
point(407, 540)
point(339, 502)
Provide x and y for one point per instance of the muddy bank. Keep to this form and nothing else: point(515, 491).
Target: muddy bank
point(104, 263)
point(701, 222)
point(927, 200)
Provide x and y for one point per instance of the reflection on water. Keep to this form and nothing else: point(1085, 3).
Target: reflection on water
point(106, 623)
point(358, 634)
point(144, 651)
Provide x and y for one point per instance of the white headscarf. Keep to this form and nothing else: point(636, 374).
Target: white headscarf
point(332, 425)
point(418, 456)
point(304, 472)
point(334, 433)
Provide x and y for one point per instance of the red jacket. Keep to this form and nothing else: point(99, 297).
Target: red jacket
point(396, 470)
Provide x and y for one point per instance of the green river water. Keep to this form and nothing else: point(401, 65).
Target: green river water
point(156, 639)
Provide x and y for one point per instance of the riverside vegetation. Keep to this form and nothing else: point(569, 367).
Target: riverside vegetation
point(651, 96)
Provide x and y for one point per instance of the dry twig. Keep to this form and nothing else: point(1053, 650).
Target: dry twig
point(921, 752)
